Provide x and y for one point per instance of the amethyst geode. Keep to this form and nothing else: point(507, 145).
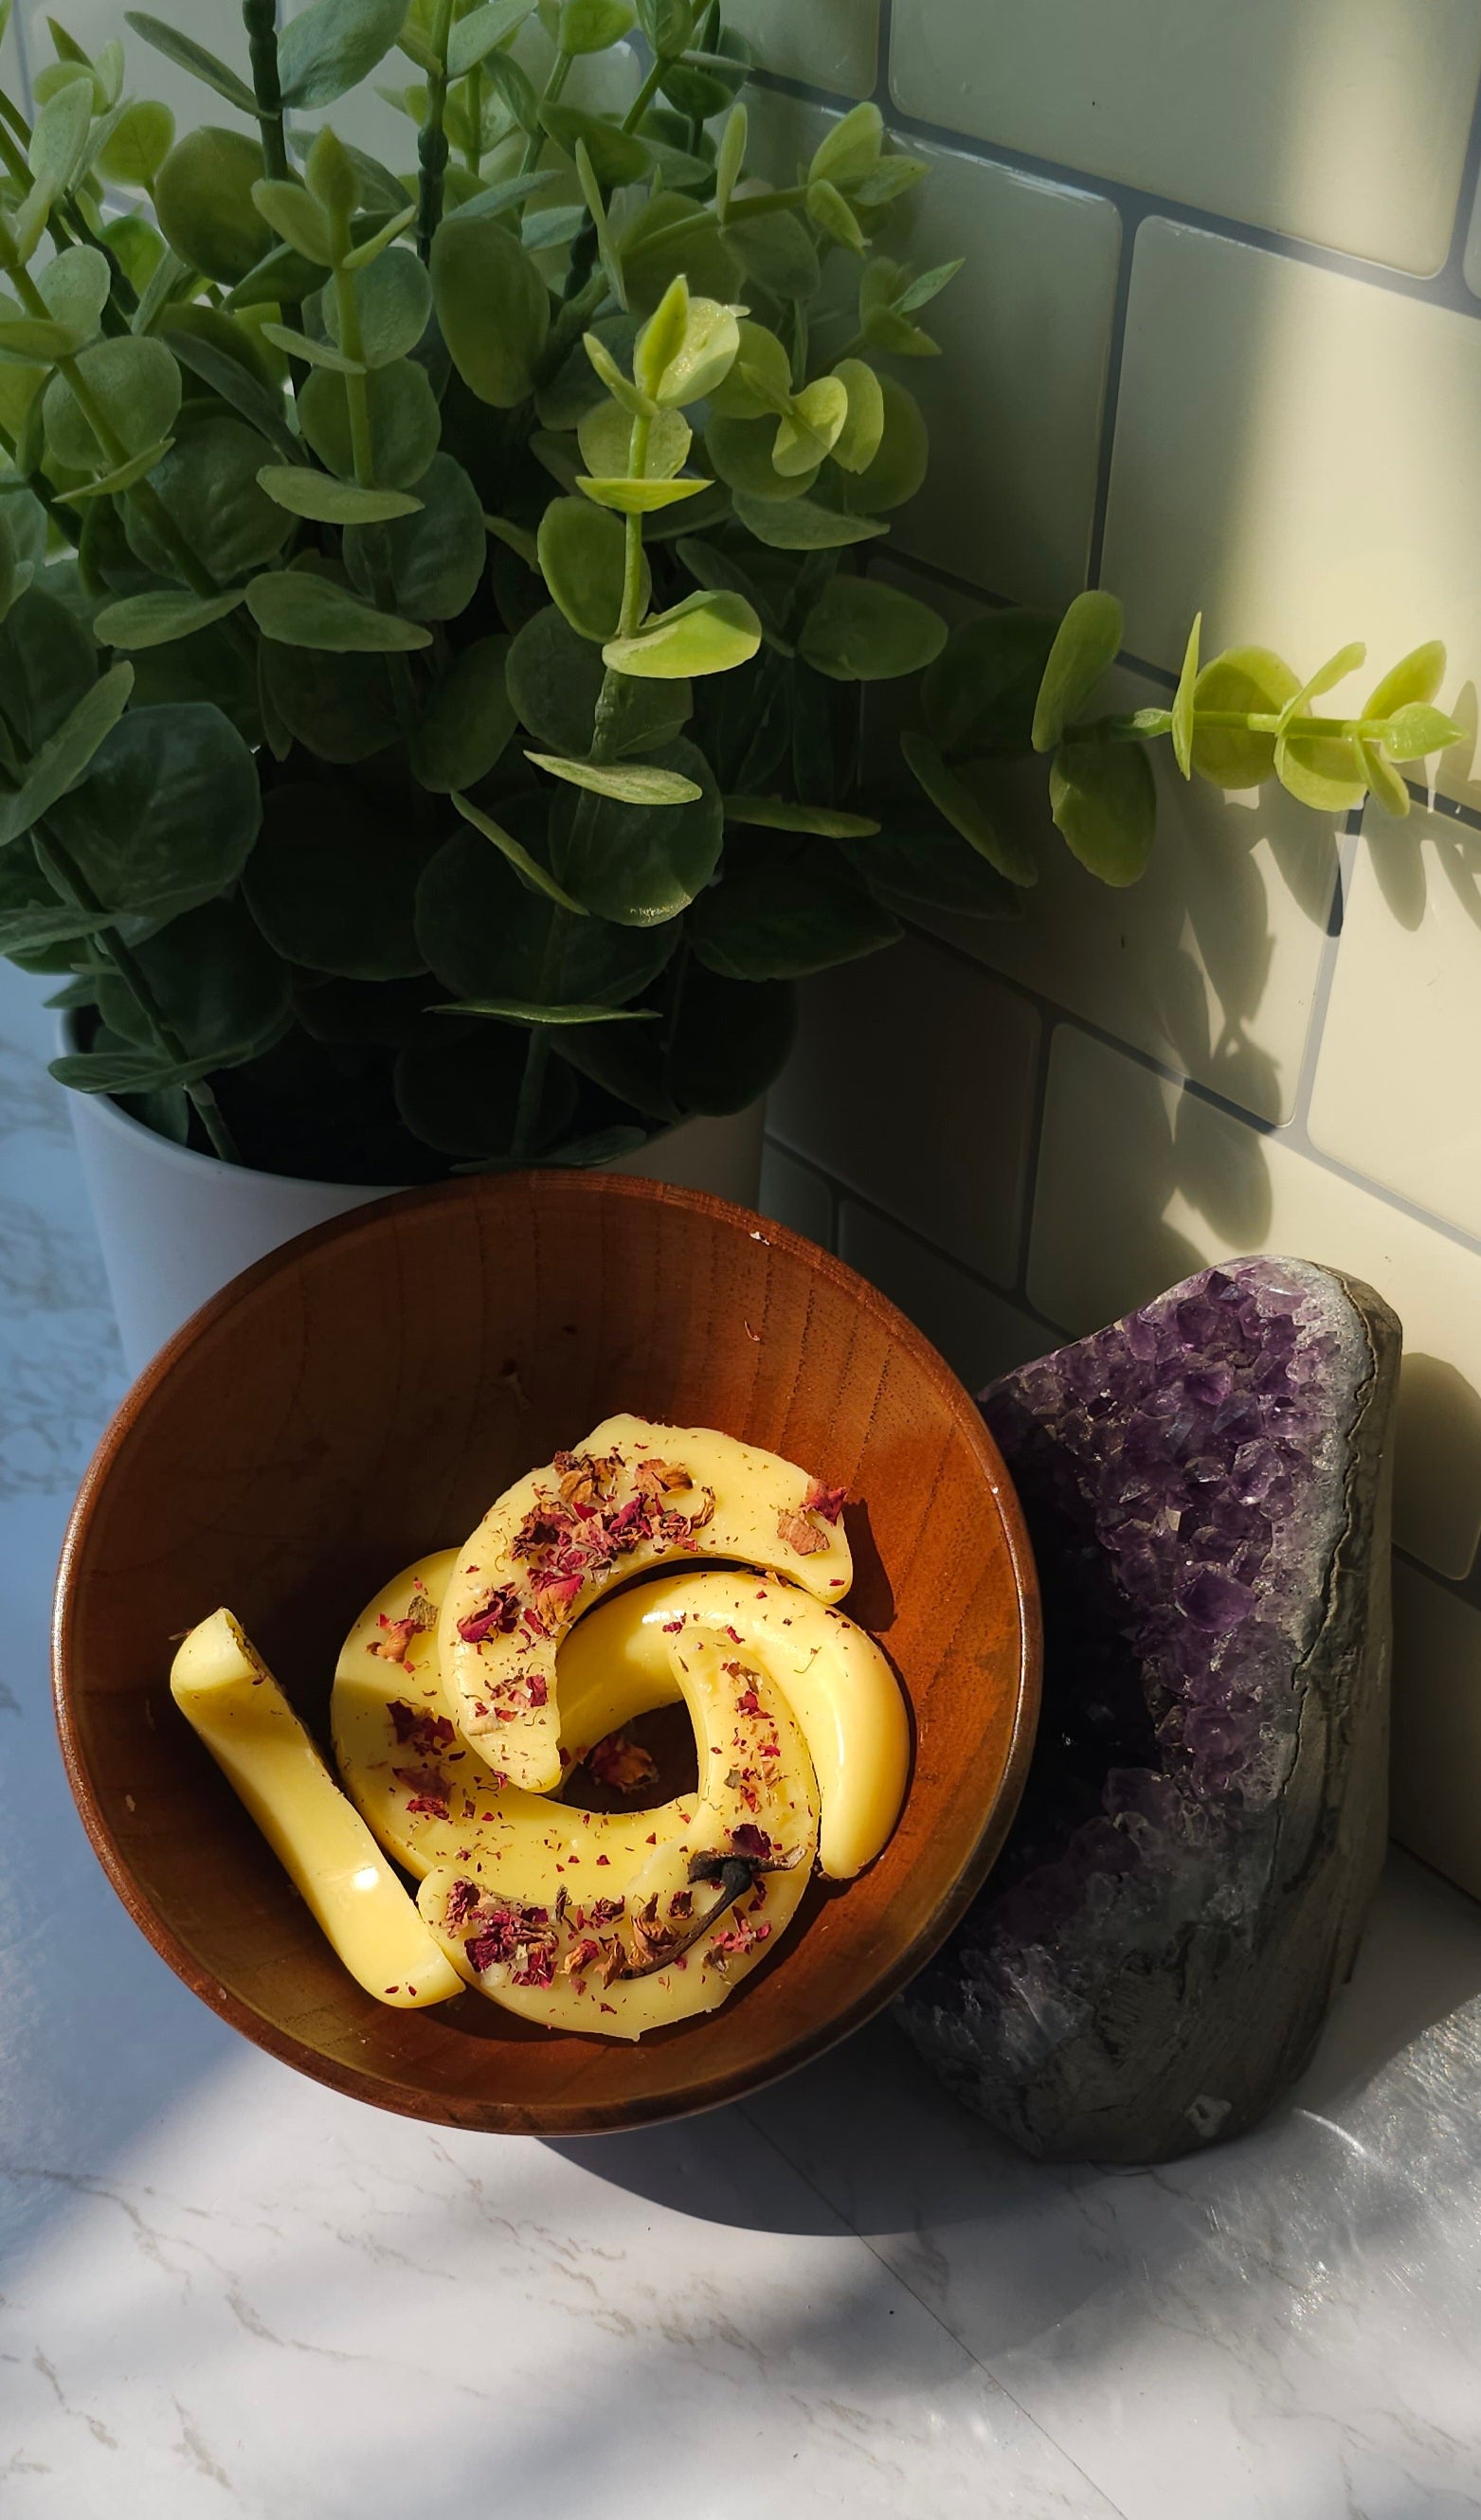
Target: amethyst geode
point(1206, 1488)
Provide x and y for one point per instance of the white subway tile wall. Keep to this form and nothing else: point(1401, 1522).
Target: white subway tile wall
point(1217, 346)
point(1344, 121)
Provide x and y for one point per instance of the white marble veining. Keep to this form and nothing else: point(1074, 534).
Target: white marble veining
point(224, 2289)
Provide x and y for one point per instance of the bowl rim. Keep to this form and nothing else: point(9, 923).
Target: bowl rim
point(556, 2118)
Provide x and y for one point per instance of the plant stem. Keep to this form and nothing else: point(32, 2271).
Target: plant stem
point(569, 324)
point(260, 19)
point(362, 443)
point(559, 72)
point(472, 154)
point(431, 146)
point(537, 1052)
point(1120, 729)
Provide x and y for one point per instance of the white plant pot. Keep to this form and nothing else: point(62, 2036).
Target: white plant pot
point(176, 1226)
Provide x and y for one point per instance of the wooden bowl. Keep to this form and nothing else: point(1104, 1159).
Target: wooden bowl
point(360, 1397)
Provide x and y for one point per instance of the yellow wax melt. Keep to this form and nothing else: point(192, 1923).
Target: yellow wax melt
point(617, 1924)
point(638, 1494)
point(835, 1679)
point(226, 1691)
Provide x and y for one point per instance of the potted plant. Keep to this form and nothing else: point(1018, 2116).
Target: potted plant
point(434, 606)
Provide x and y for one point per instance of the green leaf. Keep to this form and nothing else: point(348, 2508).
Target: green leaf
point(701, 359)
point(662, 239)
point(404, 419)
point(920, 291)
point(313, 353)
point(303, 492)
point(48, 663)
point(759, 383)
point(306, 611)
point(487, 934)
point(260, 406)
point(61, 761)
point(217, 984)
point(778, 257)
point(596, 208)
point(800, 524)
point(135, 383)
point(635, 783)
point(328, 49)
point(332, 881)
point(168, 811)
point(457, 1087)
point(293, 213)
point(582, 556)
point(811, 426)
point(58, 138)
point(701, 84)
point(467, 720)
point(1105, 800)
point(524, 1011)
point(1185, 701)
point(187, 55)
point(638, 865)
point(127, 1071)
point(910, 871)
point(434, 560)
point(493, 308)
point(1417, 730)
point(151, 620)
point(779, 814)
point(592, 26)
point(1415, 677)
point(604, 435)
point(340, 706)
point(981, 691)
point(208, 482)
point(1327, 677)
point(75, 286)
point(630, 498)
point(1388, 790)
point(496, 198)
point(864, 631)
point(35, 341)
point(784, 922)
point(474, 37)
point(617, 156)
point(555, 681)
point(729, 160)
point(898, 469)
point(1242, 680)
point(1087, 641)
point(850, 150)
point(708, 633)
point(829, 211)
point(626, 389)
point(204, 201)
point(1321, 771)
point(394, 300)
point(112, 485)
point(137, 146)
point(858, 442)
point(369, 251)
point(531, 873)
point(31, 931)
point(954, 794)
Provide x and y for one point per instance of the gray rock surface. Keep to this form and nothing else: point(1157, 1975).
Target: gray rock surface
point(1207, 1489)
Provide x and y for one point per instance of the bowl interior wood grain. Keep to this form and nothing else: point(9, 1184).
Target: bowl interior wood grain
point(361, 1397)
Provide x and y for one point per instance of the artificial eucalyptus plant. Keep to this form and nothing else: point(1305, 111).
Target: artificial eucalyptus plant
point(432, 603)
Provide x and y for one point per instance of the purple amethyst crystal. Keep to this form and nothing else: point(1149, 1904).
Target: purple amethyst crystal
point(1206, 1487)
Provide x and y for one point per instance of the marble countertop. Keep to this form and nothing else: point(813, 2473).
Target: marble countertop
point(225, 2290)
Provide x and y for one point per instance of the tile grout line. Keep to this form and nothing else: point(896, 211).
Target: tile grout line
point(1445, 289)
point(896, 2276)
